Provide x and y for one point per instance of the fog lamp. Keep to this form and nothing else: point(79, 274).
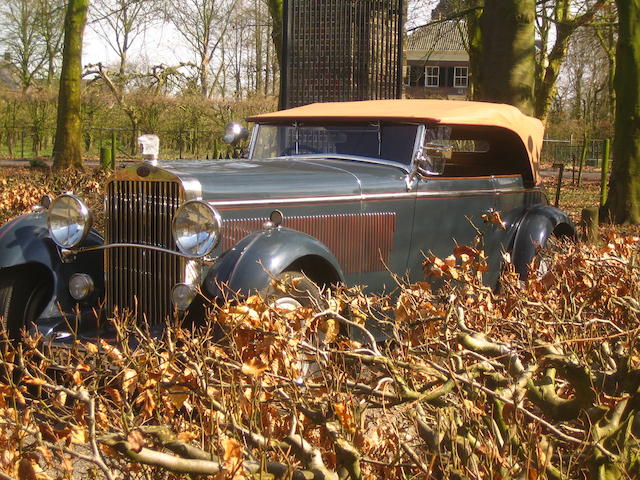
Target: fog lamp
point(80, 285)
point(182, 295)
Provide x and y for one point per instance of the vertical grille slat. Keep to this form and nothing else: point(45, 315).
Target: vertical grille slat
point(136, 279)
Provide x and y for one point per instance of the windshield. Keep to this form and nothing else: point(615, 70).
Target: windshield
point(388, 142)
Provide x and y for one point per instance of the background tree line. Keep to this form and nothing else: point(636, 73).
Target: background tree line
point(229, 61)
point(230, 50)
point(225, 45)
point(517, 50)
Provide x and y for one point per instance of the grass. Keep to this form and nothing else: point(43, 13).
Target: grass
point(574, 199)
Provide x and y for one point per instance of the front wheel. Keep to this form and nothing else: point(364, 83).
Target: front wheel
point(23, 296)
point(289, 291)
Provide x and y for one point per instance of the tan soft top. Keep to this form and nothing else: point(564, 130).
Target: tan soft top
point(447, 112)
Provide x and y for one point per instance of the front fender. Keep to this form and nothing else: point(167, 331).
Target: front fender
point(252, 262)
point(538, 224)
point(25, 241)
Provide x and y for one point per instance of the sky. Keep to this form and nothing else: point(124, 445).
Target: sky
point(161, 43)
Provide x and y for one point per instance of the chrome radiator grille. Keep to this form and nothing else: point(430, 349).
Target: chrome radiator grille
point(137, 279)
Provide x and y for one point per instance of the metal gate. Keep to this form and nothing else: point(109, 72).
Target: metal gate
point(340, 50)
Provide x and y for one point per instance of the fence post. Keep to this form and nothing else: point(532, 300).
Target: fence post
point(106, 160)
point(589, 222)
point(604, 172)
point(196, 139)
point(113, 148)
point(583, 157)
point(22, 143)
point(560, 166)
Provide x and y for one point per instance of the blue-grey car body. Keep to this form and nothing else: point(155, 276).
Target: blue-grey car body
point(347, 218)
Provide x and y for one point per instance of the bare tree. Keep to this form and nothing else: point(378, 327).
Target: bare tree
point(203, 24)
point(583, 81)
point(557, 20)
point(276, 14)
point(121, 22)
point(32, 33)
point(49, 22)
point(606, 29)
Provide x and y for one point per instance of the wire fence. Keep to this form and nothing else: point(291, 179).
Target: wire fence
point(30, 142)
point(569, 152)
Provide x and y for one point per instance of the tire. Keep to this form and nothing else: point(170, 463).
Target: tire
point(300, 291)
point(23, 296)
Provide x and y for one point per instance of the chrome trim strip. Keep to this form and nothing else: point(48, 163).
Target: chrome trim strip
point(278, 201)
point(74, 251)
point(366, 196)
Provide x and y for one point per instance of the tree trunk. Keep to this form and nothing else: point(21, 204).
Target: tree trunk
point(623, 204)
point(276, 13)
point(67, 150)
point(475, 46)
point(507, 64)
point(258, 48)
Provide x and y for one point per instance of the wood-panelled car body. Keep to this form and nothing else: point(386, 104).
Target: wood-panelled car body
point(356, 190)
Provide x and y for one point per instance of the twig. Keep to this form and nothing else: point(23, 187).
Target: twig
point(526, 412)
point(336, 316)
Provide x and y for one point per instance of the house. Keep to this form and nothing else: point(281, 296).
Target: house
point(437, 61)
point(8, 79)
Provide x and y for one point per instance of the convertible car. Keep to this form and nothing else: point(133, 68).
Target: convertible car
point(338, 192)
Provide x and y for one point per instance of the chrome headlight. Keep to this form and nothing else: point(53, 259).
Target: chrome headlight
point(196, 228)
point(69, 220)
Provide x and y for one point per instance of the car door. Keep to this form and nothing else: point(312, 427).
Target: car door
point(448, 212)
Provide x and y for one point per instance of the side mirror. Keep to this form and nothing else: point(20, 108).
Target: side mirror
point(234, 133)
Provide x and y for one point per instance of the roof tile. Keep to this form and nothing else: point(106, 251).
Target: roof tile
point(447, 36)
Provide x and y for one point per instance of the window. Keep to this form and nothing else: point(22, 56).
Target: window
point(432, 76)
point(415, 77)
point(460, 76)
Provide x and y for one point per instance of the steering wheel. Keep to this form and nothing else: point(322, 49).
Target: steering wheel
point(302, 148)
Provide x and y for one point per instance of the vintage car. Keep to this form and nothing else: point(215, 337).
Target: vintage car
point(340, 192)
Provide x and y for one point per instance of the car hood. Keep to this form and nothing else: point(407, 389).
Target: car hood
point(222, 180)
